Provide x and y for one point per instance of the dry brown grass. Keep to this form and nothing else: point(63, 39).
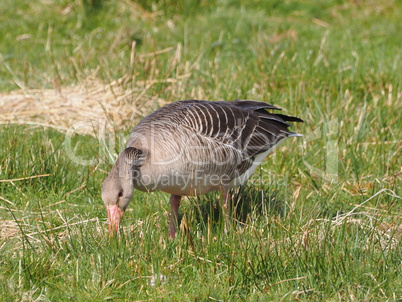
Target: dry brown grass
point(82, 108)
point(8, 229)
point(92, 106)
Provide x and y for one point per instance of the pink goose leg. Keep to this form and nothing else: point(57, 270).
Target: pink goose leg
point(226, 209)
point(174, 215)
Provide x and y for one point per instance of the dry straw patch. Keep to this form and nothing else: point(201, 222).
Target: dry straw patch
point(387, 235)
point(86, 108)
point(8, 229)
point(36, 231)
point(93, 107)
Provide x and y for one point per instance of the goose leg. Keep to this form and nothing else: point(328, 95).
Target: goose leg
point(174, 215)
point(225, 196)
point(226, 209)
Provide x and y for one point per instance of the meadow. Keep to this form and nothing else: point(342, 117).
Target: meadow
point(320, 220)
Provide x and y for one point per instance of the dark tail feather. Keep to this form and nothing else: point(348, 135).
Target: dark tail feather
point(289, 118)
point(261, 106)
point(253, 105)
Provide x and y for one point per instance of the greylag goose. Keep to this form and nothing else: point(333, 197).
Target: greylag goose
point(190, 148)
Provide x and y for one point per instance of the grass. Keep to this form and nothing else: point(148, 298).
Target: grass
point(321, 219)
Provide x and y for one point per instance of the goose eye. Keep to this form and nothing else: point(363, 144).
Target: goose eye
point(120, 193)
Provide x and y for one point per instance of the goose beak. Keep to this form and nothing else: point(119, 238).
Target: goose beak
point(114, 215)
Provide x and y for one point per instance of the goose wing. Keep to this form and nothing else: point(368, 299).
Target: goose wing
point(238, 130)
point(242, 124)
point(241, 129)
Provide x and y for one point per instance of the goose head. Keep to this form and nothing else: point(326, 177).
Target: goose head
point(118, 187)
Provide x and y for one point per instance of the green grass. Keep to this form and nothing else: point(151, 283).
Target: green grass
point(320, 221)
